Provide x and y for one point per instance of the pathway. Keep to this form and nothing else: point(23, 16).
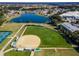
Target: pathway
point(32, 53)
point(56, 48)
point(11, 39)
point(8, 50)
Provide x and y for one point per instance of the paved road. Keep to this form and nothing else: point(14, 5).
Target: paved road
point(1, 53)
point(32, 53)
point(23, 31)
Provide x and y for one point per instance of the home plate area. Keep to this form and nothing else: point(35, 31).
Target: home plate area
point(28, 41)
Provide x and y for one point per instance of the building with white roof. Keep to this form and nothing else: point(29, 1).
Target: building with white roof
point(70, 27)
point(71, 16)
point(71, 30)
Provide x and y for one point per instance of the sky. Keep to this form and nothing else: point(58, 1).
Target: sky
point(50, 3)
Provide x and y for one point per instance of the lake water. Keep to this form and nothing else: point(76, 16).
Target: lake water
point(25, 18)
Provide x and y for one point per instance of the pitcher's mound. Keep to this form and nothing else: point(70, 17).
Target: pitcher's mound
point(28, 41)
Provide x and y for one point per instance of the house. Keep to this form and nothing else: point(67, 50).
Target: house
point(71, 16)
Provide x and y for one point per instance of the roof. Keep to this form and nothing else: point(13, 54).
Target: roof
point(70, 27)
point(71, 13)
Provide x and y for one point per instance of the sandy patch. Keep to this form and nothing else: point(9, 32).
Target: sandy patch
point(28, 41)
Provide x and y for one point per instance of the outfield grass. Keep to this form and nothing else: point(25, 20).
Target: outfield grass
point(18, 53)
point(49, 38)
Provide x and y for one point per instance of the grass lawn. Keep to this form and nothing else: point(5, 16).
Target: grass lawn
point(4, 42)
point(1, 23)
point(67, 52)
point(49, 38)
point(60, 52)
point(18, 53)
point(45, 52)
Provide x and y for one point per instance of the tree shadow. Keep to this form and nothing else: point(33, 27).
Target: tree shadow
point(77, 49)
point(71, 41)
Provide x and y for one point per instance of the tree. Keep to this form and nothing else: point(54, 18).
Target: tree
point(57, 17)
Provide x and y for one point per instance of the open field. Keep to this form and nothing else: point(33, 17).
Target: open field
point(67, 52)
point(59, 52)
point(45, 53)
point(18, 53)
point(49, 38)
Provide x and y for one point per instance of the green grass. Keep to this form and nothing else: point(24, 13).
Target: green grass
point(45, 52)
point(4, 42)
point(49, 38)
point(1, 23)
point(59, 52)
point(18, 53)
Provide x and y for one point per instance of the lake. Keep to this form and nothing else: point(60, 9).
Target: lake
point(28, 17)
